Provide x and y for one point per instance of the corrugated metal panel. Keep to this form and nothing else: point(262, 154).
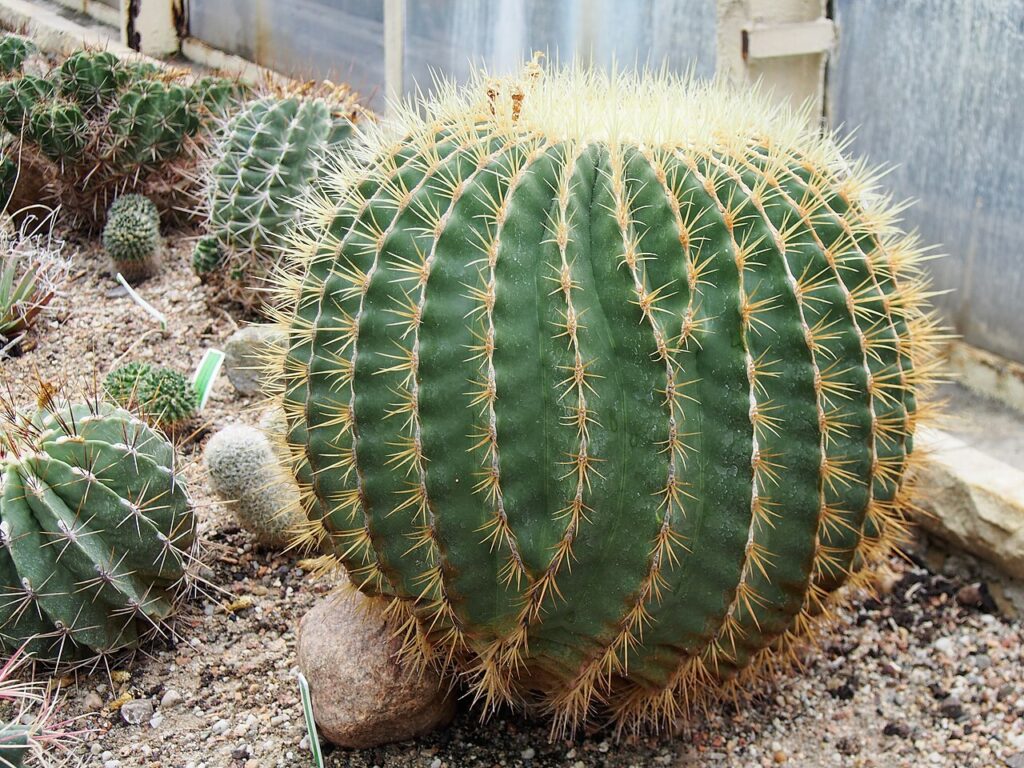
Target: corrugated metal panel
point(343, 39)
point(338, 39)
point(451, 36)
point(938, 88)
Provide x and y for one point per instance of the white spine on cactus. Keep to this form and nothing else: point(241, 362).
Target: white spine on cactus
point(245, 473)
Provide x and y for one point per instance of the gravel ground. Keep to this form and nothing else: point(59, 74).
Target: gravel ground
point(927, 675)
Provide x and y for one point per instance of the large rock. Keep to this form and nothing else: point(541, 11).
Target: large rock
point(245, 354)
point(362, 696)
point(975, 501)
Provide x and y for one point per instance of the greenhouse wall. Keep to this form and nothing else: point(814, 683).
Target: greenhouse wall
point(920, 85)
point(927, 87)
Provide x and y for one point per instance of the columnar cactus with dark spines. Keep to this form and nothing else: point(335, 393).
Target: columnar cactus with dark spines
point(162, 396)
point(96, 531)
point(14, 50)
point(267, 158)
point(605, 385)
point(131, 237)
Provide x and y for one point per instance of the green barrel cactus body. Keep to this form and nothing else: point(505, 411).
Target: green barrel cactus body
point(14, 51)
point(19, 97)
point(607, 385)
point(91, 78)
point(268, 156)
point(131, 237)
point(150, 123)
point(60, 128)
point(97, 532)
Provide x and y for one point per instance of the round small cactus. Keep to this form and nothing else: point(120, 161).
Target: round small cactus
point(245, 473)
point(208, 256)
point(19, 97)
point(91, 78)
point(14, 50)
point(132, 237)
point(60, 129)
point(162, 396)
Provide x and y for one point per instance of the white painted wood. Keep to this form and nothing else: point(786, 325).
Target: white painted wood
point(394, 48)
point(765, 41)
point(149, 27)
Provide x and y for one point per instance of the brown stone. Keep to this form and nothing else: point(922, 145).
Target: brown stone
point(362, 695)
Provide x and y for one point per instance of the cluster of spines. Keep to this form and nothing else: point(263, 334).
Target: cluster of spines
point(761, 170)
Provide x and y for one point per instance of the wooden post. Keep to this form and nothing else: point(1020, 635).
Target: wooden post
point(394, 49)
point(153, 27)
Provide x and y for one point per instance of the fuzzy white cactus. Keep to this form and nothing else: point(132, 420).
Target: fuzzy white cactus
point(245, 473)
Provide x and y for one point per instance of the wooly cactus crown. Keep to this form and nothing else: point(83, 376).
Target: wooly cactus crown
point(131, 237)
point(606, 385)
point(268, 156)
point(162, 396)
point(97, 531)
point(245, 473)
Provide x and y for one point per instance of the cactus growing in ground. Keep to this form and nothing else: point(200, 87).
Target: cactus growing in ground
point(245, 473)
point(131, 237)
point(267, 158)
point(97, 126)
point(162, 396)
point(207, 256)
point(96, 527)
point(605, 385)
point(14, 50)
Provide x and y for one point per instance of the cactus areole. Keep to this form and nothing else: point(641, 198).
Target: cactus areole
point(605, 384)
point(96, 531)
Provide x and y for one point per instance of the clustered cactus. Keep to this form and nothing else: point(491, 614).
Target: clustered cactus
point(131, 237)
point(162, 396)
point(14, 51)
point(96, 531)
point(695, 347)
point(32, 272)
point(267, 158)
point(96, 126)
point(245, 473)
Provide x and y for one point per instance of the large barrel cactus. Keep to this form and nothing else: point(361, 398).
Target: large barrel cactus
point(96, 531)
point(605, 384)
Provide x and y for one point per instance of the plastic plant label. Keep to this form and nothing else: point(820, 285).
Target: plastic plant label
point(206, 374)
point(307, 711)
point(150, 309)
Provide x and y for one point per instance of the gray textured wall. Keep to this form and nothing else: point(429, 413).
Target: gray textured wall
point(937, 88)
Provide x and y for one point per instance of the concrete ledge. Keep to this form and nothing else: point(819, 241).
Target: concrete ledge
point(975, 501)
point(988, 374)
point(55, 33)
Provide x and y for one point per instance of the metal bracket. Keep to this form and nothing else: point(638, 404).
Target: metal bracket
point(767, 41)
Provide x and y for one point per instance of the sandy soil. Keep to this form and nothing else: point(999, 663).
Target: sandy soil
point(929, 675)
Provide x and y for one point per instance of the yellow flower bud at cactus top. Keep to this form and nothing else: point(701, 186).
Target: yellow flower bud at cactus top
point(605, 384)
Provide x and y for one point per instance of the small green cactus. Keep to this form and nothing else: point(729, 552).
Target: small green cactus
point(162, 396)
point(150, 123)
point(14, 50)
point(61, 130)
point(131, 237)
point(19, 97)
point(219, 95)
point(92, 79)
point(267, 158)
point(245, 473)
point(208, 256)
point(97, 531)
